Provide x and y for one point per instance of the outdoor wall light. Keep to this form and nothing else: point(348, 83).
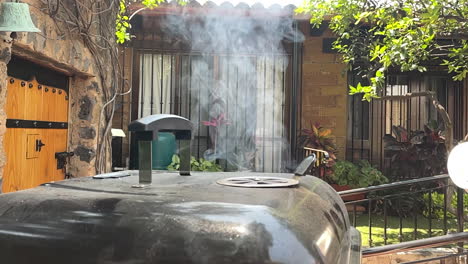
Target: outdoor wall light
point(458, 166)
point(15, 17)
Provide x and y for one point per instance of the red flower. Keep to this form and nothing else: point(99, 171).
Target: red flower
point(217, 121)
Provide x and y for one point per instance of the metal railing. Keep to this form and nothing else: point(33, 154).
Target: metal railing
point(238, 104)
point(320, 164)
point(426, 206)
point(449, 239)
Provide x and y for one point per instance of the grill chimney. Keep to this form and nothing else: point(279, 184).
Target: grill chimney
point(146, 130)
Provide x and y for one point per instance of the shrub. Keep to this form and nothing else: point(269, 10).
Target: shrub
point(195, 165)
point(418, 153)
point(438, 205)
point(362, 174)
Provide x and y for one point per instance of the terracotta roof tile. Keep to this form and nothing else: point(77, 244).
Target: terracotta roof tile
point(229, 7)
point(252, 3)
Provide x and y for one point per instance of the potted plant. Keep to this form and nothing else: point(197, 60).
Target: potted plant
point(321, 138)
point(347, 175)
point(416, 154)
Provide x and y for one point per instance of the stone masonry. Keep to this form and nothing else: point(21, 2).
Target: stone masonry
point(69, 56)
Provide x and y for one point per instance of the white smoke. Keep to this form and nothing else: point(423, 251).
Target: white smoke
point(239, 94)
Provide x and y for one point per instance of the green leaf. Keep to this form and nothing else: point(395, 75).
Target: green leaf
point(175, 159)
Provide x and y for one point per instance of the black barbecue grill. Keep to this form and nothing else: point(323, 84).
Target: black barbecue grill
point(168, 217)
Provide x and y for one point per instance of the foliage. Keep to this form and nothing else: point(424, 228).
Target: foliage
point(195, 165)
point(405, 35)
point(122, 22)
point(318, 137)
point(438, 205)
point(362, 174)
point(416, 154)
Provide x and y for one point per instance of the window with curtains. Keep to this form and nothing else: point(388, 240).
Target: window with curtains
point(369, 122)
point(237, 104)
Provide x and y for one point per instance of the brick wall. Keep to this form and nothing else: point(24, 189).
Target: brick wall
point(324, 88)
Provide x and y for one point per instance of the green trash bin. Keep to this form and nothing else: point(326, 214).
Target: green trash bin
point(163, 149)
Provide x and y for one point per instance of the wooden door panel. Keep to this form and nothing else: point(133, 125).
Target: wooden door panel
point(30, 166)
point(15, 97)
point(26, 165)
point(58, 138)
point(61, 102)
point(48, 113)
point(47, 154)
point(35, 91)
point(32, 101)
point(32, 143)
point(14, 142)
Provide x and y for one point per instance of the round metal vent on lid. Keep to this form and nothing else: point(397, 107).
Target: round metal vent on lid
point(258, 182)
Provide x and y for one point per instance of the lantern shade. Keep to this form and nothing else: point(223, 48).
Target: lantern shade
point(457, 165)
point(15, 17)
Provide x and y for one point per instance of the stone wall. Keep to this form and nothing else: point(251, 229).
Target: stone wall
point(56, 50)
point(324, 88)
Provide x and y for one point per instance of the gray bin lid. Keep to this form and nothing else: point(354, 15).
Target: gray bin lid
point(148, 127)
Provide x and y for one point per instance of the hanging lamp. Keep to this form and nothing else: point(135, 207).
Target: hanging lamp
point(15, 17)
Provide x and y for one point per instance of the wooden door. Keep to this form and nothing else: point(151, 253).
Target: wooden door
point(37, 128)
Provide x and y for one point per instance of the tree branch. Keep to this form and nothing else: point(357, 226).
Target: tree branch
point(405, 96)
point(456, 18)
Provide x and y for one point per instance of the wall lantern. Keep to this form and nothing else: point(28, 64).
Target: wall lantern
point(15, 17)
point(458, 166)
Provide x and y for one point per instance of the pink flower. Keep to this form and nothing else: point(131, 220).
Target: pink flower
point(217, 121)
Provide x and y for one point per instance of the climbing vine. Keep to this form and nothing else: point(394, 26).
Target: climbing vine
point(101, 25)
point(122, 23)
point(93, 24)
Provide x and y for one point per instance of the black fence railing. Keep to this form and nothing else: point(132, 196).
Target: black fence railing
point(450, 239)
point(406, 210)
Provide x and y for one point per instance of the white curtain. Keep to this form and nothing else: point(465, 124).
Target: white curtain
point(272, 145)
point(248, 90)
point(155, 84)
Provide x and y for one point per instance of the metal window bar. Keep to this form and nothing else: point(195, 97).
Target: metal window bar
point(369, 122)
point(183, 84)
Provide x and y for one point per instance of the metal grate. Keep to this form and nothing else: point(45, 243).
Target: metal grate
point(244, 95)
point(369, 122)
